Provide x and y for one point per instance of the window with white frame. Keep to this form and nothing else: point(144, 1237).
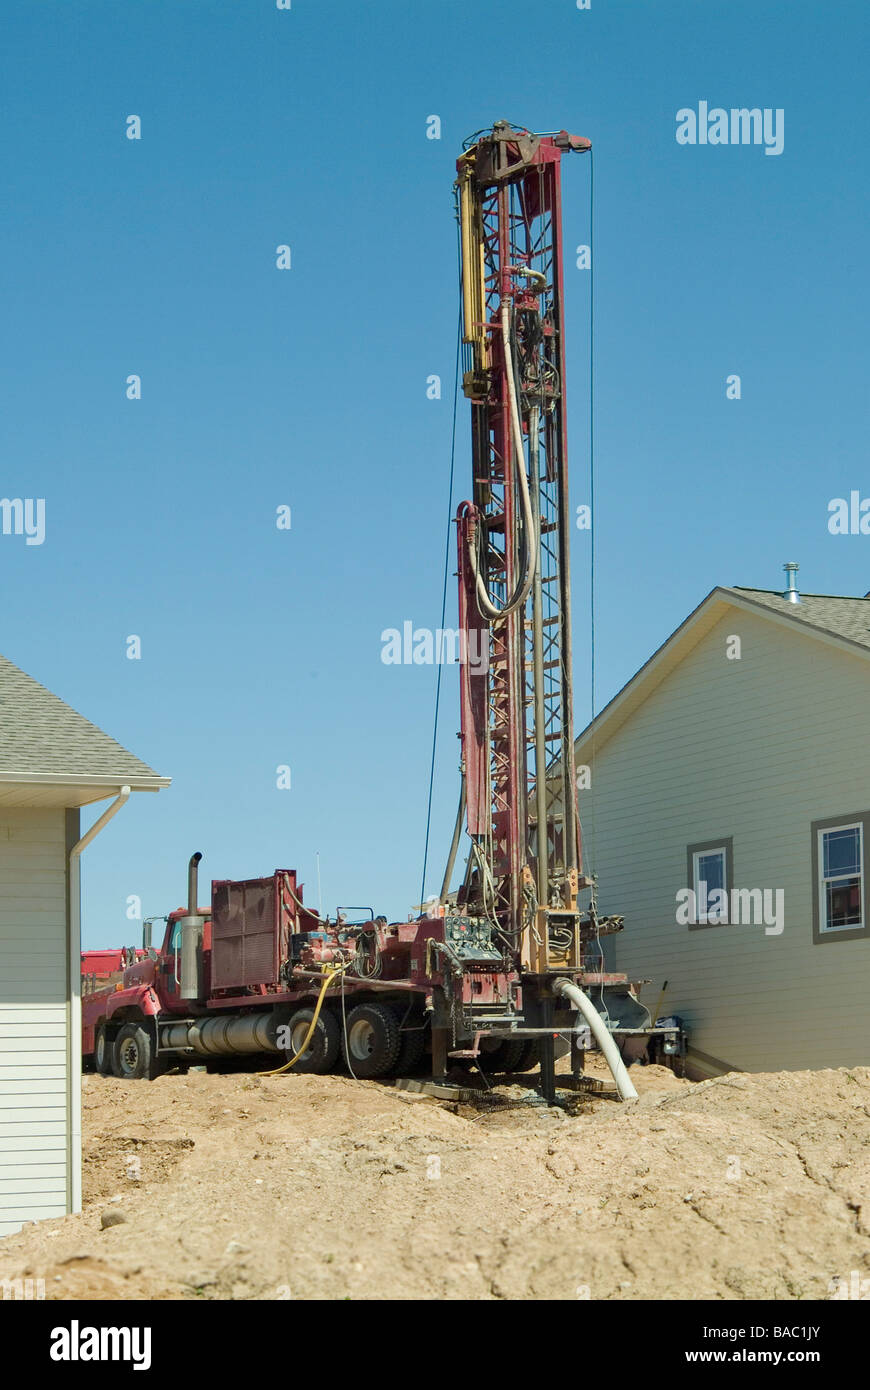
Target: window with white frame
point(709, 874)
point(840, 851)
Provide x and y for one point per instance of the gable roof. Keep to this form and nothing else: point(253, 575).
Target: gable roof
point(53, 755)
point(832, 618)
point(830, 613)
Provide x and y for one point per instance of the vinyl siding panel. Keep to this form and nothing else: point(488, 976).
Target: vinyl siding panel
point(756, 750)
point(34, 1067)
point(45, 1145)
point(29, 1166)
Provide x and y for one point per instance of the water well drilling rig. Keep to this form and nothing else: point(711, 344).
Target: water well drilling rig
point(492, 971)
point(525, 870)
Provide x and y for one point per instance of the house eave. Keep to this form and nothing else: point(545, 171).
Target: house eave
point(62, 789)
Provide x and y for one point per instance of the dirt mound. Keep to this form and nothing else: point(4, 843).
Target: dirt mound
point(255, 1187)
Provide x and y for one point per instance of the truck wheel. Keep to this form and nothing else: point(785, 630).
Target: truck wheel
point(531, 1056)
point(321, 1054)
point(133, 1053)
point(103, 1053)
point(412, 1045)
point(505, 1056)
point(372, 1042)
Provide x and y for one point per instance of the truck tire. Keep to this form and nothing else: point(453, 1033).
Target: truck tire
point(372, 1042)
point(103, 1052)
point(531, 1056)
point(505, 1056)
point(412, 1043)
point(322, 1052)
point(133, 1054)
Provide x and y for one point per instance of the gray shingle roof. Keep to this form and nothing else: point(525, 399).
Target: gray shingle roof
point(39, 733)
point(845, 617)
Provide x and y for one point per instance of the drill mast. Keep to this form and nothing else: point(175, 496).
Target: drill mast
point(525, 867)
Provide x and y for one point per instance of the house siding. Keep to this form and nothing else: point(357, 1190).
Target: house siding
point(35, 1075)
point(756, 749)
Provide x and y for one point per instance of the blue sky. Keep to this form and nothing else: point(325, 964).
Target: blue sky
point(307, 387)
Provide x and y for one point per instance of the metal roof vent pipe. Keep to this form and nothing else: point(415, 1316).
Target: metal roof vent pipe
point(791, 594)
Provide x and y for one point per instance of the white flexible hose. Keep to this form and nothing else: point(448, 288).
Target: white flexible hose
point(600, 1032)
point(487, 608)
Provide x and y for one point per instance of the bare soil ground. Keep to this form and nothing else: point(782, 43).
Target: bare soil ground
point(254, 1187)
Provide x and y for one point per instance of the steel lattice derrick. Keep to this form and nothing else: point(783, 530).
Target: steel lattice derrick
point(513, 537)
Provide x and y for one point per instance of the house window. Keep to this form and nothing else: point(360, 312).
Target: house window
point(841, 882)
point(841, 896)
point(710, 870)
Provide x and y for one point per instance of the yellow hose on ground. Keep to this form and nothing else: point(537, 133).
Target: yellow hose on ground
point(330, 976)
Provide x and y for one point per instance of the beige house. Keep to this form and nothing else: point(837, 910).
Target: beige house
point(52, 762)
point(727, 817)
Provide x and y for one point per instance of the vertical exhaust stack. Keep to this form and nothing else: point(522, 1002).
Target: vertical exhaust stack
point(791, 594)
point(193, 885)
point(191, 936)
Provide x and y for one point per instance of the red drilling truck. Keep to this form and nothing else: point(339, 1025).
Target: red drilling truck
point(247, 974)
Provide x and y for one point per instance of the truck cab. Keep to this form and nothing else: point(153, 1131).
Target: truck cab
point(125, 990)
